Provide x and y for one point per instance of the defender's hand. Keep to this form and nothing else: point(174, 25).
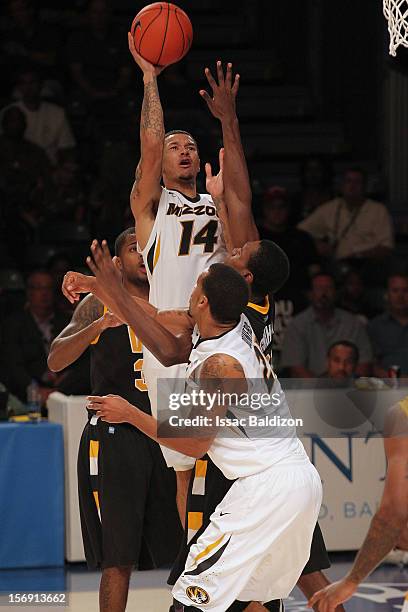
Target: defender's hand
point(75, 283)
point(107, 275)
point(110, 408)
point(110, 320)
point(215, 184)
point(333, 595)
point(224, 93)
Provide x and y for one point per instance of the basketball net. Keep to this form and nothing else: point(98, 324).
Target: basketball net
point(396, 13)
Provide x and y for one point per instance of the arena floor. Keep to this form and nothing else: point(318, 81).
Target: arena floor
point(382, 592)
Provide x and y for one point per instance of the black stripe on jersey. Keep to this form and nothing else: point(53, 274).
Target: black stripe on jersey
point(150, 256)
point(205, 565)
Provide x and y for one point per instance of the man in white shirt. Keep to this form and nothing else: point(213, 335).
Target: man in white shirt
point(351, 226)
point(47, 124)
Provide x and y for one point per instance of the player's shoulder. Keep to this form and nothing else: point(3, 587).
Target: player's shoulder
point(396, 423)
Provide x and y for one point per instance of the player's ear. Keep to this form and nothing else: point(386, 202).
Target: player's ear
point(249, 277)
point(117, 262)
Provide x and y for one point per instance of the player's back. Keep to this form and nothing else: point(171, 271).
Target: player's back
point(247, 448)
point(186, 238)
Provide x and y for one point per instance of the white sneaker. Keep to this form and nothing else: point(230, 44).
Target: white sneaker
point(396, 557)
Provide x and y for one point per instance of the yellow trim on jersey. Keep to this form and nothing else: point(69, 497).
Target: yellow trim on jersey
point(262, 309)
point(195, 520)
point(156, 254)
point(96, 498)
point(207, 550)
point(93, 448)
point(201, 468)
point(404, 405)
point(96, 340)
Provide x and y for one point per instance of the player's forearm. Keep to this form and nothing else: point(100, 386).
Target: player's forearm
point(151, 119)
point(164, 345)
point(222, 213)
point(382, 536)
point(148, 425)
point(66, 350)
point(237, 185)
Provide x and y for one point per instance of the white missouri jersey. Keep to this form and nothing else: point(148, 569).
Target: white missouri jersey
point(185, 239)
point(252, 437)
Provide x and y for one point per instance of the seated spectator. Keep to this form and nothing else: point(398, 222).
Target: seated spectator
point(47, 124)
point(22, 164)
point(353, 296)
point(304, 261)
point(66, 201)
point(313, 331)
point(342, 359)
point(351, 226)
point(28, 336)
point(297, 244)
point(25, 174)
point(316, 181)
point(98, 57)
point(389, 331)
point(27, 40)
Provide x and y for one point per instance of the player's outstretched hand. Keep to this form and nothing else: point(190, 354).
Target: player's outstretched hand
point(333, 595)
point(110, 408)
point(224, 93)
point(145, 66)
point(215, 184)
point(101, 264)
point(75, 283)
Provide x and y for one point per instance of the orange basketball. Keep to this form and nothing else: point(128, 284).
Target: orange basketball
point(162, 33)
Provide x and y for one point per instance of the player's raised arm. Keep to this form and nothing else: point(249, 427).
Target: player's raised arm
point(146, 189)
point(238, 195)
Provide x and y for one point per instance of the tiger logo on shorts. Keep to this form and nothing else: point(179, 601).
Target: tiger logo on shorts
point(197, 595)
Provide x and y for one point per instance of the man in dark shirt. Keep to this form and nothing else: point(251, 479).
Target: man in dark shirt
point(389, 331)
point(28, 336)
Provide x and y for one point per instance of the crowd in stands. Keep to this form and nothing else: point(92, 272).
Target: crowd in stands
point(68, 150)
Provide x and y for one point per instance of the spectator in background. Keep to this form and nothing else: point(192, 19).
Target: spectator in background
point(98, 57)
point(27, 40)
point(28, 336)
point(47, 124)
point(342, 360)
point(66, 201)
point(316, 180)
point(353, 296)
point(311, 333)
point(304, 261)
point(25, 173)
point(352, 226)
point(22, 163)
point(389, 331)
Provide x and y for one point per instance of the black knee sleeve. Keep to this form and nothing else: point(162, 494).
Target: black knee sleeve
point(179, 607)
point(272, 606)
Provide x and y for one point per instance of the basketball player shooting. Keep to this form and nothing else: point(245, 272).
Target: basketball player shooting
point(179, 231)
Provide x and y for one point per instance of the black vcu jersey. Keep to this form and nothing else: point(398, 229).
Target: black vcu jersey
point(126, 492)
point(208, 485)
point(117, 363)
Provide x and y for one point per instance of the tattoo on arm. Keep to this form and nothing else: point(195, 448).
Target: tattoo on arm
point(87, 311)
point(381, 537)
point(151, 119)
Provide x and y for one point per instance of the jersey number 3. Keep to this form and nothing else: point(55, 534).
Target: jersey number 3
point(206, 236)
point(136, 347)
